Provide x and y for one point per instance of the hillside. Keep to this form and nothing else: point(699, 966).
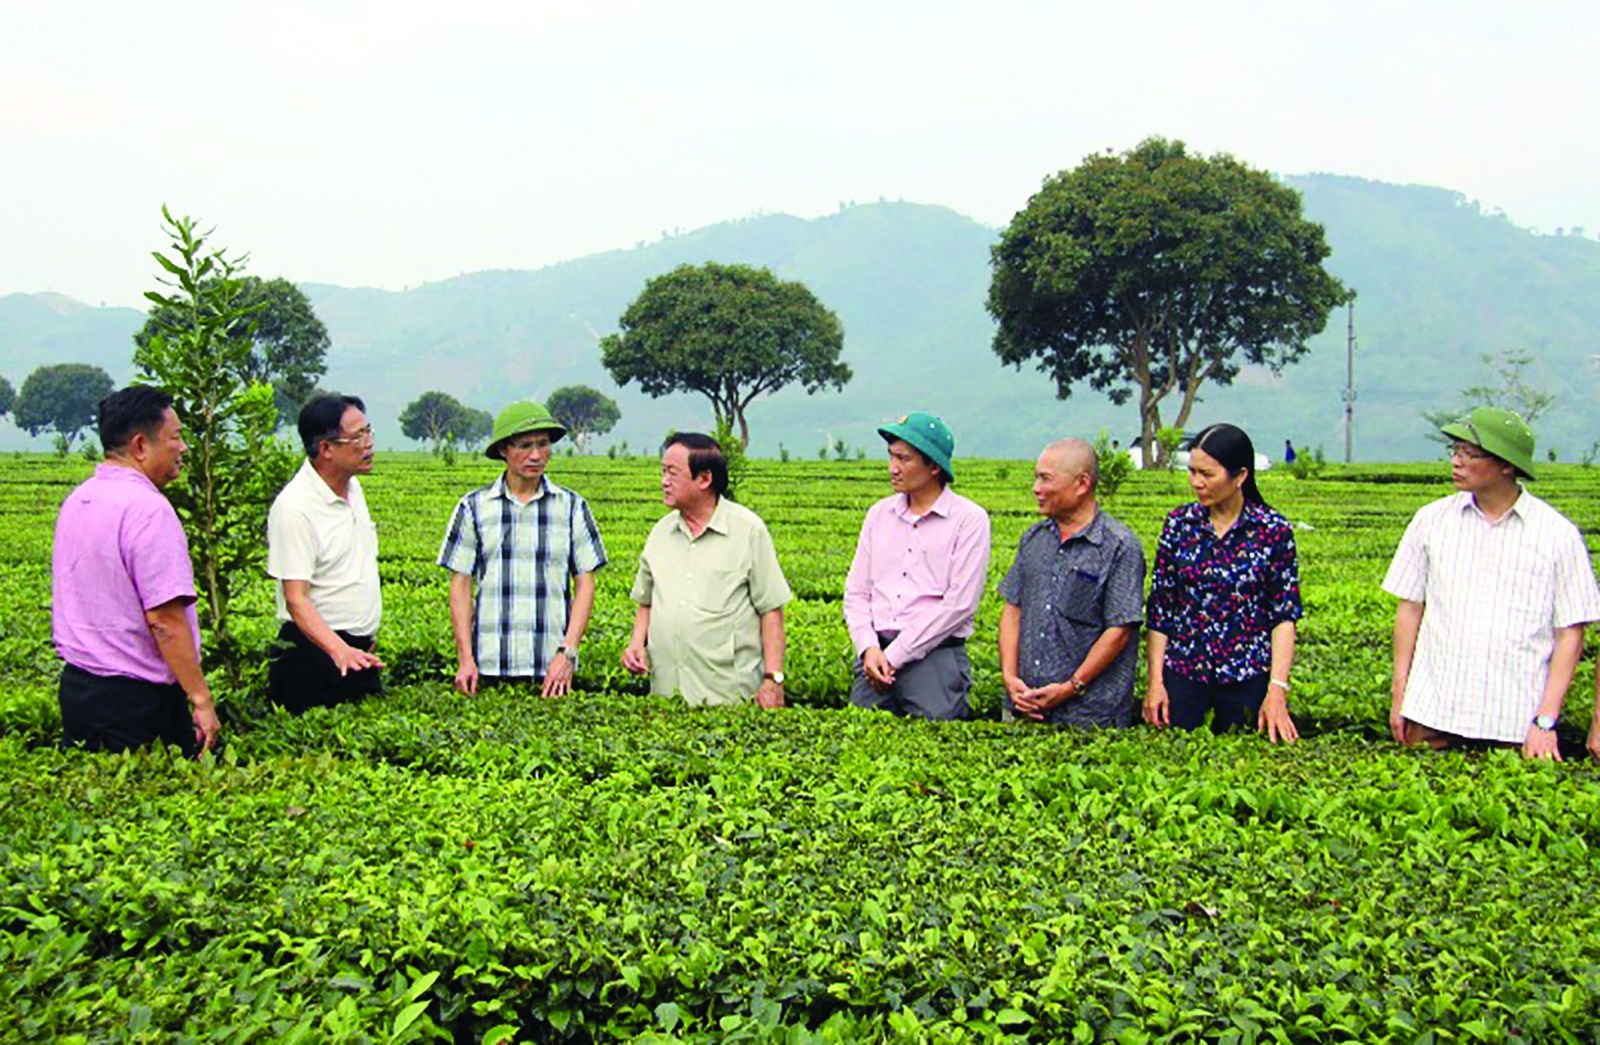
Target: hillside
point(1440, 282)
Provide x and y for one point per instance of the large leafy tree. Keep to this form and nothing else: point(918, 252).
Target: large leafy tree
point(1155, 272)
point(445, 422)
point(61, 397)
point(584, 411)
point(8, 396)
point(288, 343)
point(206, 360)
point(728, 332)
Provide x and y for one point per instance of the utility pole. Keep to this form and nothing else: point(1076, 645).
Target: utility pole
point(1350, 377)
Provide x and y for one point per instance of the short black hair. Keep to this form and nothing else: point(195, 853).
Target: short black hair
point(705, 455)
point(137, 408)
point(320, 419)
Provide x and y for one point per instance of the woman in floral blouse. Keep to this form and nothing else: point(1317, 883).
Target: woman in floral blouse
point(1223, 600)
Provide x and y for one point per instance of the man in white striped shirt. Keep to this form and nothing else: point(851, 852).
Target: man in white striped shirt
point(1495, 588)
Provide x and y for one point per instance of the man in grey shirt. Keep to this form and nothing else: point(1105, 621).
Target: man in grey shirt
point(1074, 602)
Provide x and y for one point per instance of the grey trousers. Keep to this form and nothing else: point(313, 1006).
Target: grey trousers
point(934, 687)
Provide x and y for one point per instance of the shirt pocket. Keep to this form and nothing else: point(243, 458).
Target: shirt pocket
point(1079, 595)
point(719, 590)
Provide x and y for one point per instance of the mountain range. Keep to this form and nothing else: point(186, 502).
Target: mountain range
point(1441, 282)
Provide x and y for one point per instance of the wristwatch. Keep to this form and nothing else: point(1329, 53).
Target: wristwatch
point(570, 653)
point(1077, 686)
point(775, 676)
point(1545, 722)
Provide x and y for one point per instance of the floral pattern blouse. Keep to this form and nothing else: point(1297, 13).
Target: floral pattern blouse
point(1217, 599)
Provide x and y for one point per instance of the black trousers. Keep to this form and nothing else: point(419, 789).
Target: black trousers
point(1235, 705)
point(117, 713)
point(301, 676)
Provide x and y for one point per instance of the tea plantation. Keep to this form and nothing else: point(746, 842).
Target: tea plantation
point(611, 866)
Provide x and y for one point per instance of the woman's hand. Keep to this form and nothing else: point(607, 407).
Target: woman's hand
point(1273, 718)
point(1157, 707)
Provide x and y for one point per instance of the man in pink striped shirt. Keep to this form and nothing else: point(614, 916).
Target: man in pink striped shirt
point(919, 572)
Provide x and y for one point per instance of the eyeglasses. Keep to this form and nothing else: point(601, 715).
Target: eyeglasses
point(361, 437)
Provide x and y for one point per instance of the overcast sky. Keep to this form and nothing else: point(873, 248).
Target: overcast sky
point(389, 144)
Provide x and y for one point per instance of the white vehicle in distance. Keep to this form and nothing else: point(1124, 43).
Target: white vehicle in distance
point(1181, 458)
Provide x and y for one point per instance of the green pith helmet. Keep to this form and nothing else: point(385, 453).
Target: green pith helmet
point(526, 416)
point(1499, 432)
point(928, 434)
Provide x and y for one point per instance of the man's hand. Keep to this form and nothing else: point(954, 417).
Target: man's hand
point(558, 677)
point(206, 725)
point(1273, 718)
point(347, 659)
point(770, 695)
point(467, 677)
point(878, 670)
point(636, 659)
point(1015, 688)
point(1397, 722)
point(1157, 706)
point(1541, 743)
point(1035, 702)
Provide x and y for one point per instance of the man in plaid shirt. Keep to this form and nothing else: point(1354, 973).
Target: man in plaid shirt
point(530, 548)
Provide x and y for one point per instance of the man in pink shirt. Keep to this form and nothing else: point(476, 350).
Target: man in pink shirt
point(122, 612)
point(919, 572)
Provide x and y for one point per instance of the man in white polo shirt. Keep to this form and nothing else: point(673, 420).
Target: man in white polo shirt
point(1495, 588)
point(322, 549)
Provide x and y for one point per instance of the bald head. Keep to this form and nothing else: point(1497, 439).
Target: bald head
point(1067, 457)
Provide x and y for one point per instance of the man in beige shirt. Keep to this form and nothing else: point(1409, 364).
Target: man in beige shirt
point(709, 589)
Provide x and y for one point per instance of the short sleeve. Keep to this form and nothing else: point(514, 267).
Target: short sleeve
point(1408, 570)
point(1577, 600)
point(1124, 591)
point(459, 552)
point(1283, 598)
point(156, 554)
point(587, 552)
point(291, 545)
point(1011, 584)
point(768, 588)
point(643, 580)
point(1162, 609)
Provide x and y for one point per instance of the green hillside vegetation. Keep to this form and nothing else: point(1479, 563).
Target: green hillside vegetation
point(1441, 283)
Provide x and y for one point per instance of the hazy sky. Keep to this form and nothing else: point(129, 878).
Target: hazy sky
point(388, 144)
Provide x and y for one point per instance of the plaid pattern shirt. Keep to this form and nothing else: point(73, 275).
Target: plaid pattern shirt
point(523, 558)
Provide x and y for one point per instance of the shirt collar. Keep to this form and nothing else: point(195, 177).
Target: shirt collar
point(121, 473)
point(502, 491)
point(1094, 533)
point(942, 505)
point(309, 475)
point(717, 522)
point(1519, 507)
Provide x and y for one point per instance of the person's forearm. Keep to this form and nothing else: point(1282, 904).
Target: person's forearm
point(1563, 664)
point(641, 627)
point(309, 621)
point(583, 589)
point(1282, 657)
point(461, 615)
point(1106, 649)
point(169, 626)
point(1155, 647)
point(1010, 639)
point(1407, 623)
point(772, 640)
